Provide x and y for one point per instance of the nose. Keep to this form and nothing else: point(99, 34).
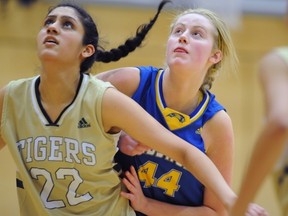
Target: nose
point(52, 28)
point(183, 39)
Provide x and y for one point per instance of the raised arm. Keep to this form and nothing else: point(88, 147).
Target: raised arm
point(270, 143)
point(142, 127)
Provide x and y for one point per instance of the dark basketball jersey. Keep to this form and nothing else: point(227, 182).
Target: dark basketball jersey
point(161, 177)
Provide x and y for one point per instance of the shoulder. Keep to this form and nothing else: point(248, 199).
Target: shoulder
point(274, 57)
point(220, 121)
point(213, 106)
point(282, 52)
point(219, 129)
point(218, 136)
point(147, 71)
point(125, 79)
point(275, 61)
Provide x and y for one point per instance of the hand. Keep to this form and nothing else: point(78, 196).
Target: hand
point(256, 210)
point(135, 195)
point(131, 147)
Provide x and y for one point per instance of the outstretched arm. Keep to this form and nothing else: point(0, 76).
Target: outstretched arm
point(270, 143)
point(144, 128)
point(154, 207)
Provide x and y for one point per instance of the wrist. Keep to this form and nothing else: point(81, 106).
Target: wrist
point(145, 206)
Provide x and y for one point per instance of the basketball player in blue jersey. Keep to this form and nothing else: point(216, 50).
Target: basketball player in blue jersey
point(62, 126)
point(272, 141)
point(178, 96)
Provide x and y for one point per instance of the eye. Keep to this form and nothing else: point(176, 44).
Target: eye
point(177, 31)
point(68, 25)
point(48, 22)
point(197, 34)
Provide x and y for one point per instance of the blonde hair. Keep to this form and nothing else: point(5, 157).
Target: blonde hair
point(223, 42)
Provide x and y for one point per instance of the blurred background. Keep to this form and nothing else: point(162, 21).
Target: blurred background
point(257, 26)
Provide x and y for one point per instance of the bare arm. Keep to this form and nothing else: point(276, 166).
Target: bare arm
point(270, 143)
point(218, 137)
point(2, 91)
point(144, 128)
point(126, 80)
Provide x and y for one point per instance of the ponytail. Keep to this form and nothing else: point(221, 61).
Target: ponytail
point(131, 43)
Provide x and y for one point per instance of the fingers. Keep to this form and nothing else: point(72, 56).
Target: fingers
point(126, 195)
point(131, 147)
point(132, 180)
point(134, 173)
point(135, 194)
point(256, 210)
point(142, 148)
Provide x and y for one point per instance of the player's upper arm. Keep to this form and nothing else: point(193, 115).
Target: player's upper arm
point(218, 137)
point(273, 74)
point(124, 79)
point(2, 92)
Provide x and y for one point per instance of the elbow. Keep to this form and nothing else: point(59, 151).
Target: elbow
point(278, 125)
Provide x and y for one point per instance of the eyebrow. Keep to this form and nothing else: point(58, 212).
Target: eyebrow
point(62, 17)
point(196, 26)
point(178, 24)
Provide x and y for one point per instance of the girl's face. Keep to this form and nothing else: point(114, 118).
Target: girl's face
point(191, 43)
point(60, 38)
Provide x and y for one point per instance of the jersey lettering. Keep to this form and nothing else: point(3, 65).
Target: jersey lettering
point(72, 197)
point(154, 153)
point(73, 151)
point(169, 181)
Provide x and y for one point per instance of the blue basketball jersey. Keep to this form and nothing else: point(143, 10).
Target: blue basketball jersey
point(161, 177)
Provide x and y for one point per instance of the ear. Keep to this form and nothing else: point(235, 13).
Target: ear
point(88, 51)
point(216, 56)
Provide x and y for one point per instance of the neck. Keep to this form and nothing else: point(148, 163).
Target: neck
point(58, 87)
point(180, 92)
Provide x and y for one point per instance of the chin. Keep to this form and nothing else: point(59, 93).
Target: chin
point(48, 56)
point(178, 62)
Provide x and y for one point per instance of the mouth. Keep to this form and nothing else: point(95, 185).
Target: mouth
point(50, 40)
point(180, 50)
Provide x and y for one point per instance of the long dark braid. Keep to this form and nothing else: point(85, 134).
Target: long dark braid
point(131, 43)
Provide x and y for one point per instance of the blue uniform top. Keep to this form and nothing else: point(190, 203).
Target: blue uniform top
point(161, 177)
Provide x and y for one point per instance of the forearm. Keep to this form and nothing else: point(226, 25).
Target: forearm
point(158, 208)
point(205, 168)
point(262, 161)
point(2, 144)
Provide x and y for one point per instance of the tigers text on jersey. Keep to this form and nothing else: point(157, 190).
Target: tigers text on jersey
point(161, 177)
point(65, 166)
